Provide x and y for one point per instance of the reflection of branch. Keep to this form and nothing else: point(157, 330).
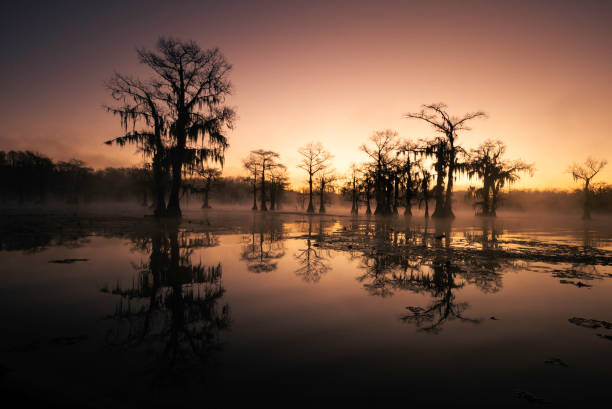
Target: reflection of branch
point(261, 250)
point(313, 263)
point(436, 314)
point(172, 304)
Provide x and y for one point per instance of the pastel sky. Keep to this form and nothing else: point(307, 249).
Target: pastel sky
point(330, 71)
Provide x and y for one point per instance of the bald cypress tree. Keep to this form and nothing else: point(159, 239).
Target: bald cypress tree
point(448, 125)
point(193, 84)
point(585, 172)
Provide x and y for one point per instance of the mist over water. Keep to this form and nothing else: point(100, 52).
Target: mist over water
point(126, 310)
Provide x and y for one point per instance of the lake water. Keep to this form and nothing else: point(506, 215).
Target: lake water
point(106, 311)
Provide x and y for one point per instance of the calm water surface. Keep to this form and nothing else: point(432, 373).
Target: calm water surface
point(102, 312)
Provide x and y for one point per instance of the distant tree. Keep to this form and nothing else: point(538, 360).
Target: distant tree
point(26, 175)
point(266, 160)
point(408, 170)
point(251, 164)
point(585, 173)
point(301, 196)
point(314, 160)
point(437, 116)
point(487, 164)
point(278, 183)
point(193, 84)
point(424, 190)
point(209, 176)
point(325, 183)
point(366, 185)
point(437, 149)
point(75, 173)
point(385, 142)
point(353, 186)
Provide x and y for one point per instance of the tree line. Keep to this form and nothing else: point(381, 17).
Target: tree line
point(402, 173)
point(178, 119)
point(30, 177)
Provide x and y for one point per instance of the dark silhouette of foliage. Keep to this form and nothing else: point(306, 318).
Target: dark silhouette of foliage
point(438, 117)
point(138, 105)
point(191, 85)
point(251, 164)
point(486, 162)
point(384, 143)
point(203, 183)
point(585, 173)
point(266, 161)
point(325, 183)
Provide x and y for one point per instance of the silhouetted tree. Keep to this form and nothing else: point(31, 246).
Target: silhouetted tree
point(437, 116)
point(487, 164)
point(424, 190)
point(408, 170)
point(325, 182)
point(278, 183)
point(251, 164)
point(384, 143)
point(208, 176)
point(266, 161)
point(314, 160)
point(193, 83)
point(366, 185)
point(353, 187)
point(585, 173)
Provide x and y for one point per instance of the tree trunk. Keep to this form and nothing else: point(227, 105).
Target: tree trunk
point(272, 196)
point(310, 205)
point(448, 201)
point(396, 196)
point(262, 197)
point(379, 192)
point(355, 205)
point(158, 180)
point(439, 195)
point(586, 215)
point(388, 209)
point(205, 205)
point(322, 204)
point(174, 208)
point(254, 190)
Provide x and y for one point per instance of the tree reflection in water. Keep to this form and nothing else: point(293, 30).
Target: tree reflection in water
point(399, 257)
point(312, 259)
point(440, 283)
point(264, 245)
point(172, 306)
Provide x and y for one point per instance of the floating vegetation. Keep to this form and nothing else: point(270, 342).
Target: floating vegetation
point(590, 323)
point(556, 361)
point(68, 260)
point(531, 398)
